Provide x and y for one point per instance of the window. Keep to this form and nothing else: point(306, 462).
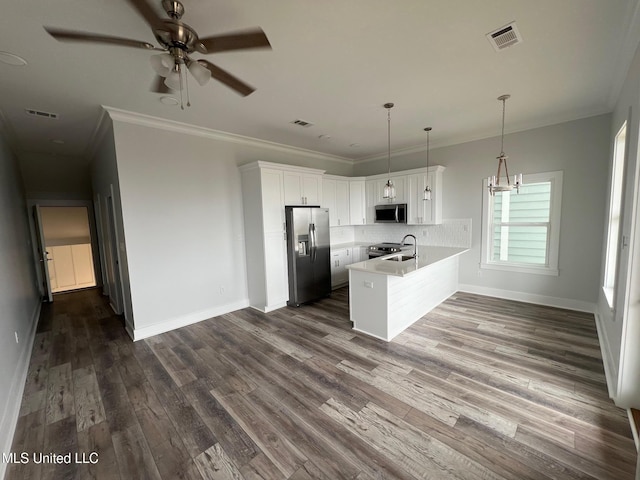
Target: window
point(521, 230)
point(613, 227)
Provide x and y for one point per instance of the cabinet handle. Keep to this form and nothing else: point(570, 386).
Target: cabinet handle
point(338, 221)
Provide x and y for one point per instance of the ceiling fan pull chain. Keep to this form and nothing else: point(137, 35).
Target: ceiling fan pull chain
point(186, 83)
point(180, 77)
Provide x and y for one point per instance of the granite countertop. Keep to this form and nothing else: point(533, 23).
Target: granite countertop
point(426, 256)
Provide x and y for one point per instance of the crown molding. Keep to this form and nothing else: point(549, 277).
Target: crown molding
point(187, 129)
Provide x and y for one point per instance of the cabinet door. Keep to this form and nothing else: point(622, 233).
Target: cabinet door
point(400, 183)
point(312, 189)
point(342, 202)
point(357, 202)
point(292, 188)
point(329, 200)
point(276, 276)
point(272, 201)
point(416, 184)
point(373, 197)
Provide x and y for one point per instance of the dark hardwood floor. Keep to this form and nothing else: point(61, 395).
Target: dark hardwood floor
point(479, 388)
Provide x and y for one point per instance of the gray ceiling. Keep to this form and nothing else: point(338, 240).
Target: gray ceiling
point(334, 63)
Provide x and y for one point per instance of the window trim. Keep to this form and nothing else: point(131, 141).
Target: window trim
point(613, 237)
point(553, 238)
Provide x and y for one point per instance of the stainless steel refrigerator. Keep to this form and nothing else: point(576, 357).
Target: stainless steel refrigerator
point(308, 254)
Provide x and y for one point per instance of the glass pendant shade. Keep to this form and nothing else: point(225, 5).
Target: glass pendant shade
point(162, 64)
point(389, 191)
point(426, 194)
point(199, 72)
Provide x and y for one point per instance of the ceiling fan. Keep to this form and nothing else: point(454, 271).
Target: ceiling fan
point(178, 40)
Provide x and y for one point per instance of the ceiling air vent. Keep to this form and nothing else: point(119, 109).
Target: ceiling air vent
point(505, 37)
point(302, 123)
point(38, 113)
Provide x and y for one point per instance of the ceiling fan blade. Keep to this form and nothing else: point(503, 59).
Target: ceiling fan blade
point(148, 13)
point(73, 36)
point(229, 80)
point(159, 86)
point(255, 38)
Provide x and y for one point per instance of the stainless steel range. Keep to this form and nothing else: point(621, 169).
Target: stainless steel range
point(385, 248)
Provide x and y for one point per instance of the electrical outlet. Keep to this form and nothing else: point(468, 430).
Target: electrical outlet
point(221, 290)
point(424, 233)
point(17, 339)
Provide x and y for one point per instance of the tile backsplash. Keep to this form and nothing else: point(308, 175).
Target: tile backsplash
point(451, 233)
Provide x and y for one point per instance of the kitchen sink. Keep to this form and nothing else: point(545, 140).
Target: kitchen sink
point(401, 258)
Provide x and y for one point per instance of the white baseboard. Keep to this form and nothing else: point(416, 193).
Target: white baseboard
point(269, 308)
point(610, 369)
point(557, 302)
point(183, 321)
point(9, 419)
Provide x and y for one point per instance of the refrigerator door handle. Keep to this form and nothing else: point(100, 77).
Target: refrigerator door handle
point(312, 241)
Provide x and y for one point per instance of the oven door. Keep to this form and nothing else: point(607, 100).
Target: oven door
point(376, 254)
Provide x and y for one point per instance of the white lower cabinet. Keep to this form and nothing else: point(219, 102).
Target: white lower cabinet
point(339, 260)
point(342, 257)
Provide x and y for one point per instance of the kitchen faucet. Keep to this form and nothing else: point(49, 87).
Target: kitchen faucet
point(415, 244)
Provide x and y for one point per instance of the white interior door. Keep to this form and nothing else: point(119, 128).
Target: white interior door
point(43, 254)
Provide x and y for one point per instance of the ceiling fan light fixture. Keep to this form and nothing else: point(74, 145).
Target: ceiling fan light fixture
point(162, 64)
point(173, 80)
point(199, 72)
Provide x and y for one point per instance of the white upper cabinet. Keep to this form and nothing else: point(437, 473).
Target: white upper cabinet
point(302, 188)
point(335, 197)
point(357, 202)
point(409, 186)
point(425, 212)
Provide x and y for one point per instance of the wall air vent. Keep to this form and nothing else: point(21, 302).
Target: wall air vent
point(41, 114)
point(505, 37)
point(302, 123)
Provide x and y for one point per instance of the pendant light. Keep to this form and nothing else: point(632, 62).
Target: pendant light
point(426, 195)
point(389, 191)
point(494, 180)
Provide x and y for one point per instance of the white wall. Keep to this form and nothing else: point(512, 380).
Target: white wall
point(182, 215)
point(619, 334)
point(65, 225)
point(19, 296)
point(52, 177)
point(581, 149)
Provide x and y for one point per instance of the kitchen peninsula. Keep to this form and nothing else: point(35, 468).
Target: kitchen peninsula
point(387, 295)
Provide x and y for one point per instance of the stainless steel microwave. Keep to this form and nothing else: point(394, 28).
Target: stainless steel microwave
point(391, 213)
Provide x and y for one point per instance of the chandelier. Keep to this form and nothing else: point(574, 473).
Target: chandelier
point(494, 180)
